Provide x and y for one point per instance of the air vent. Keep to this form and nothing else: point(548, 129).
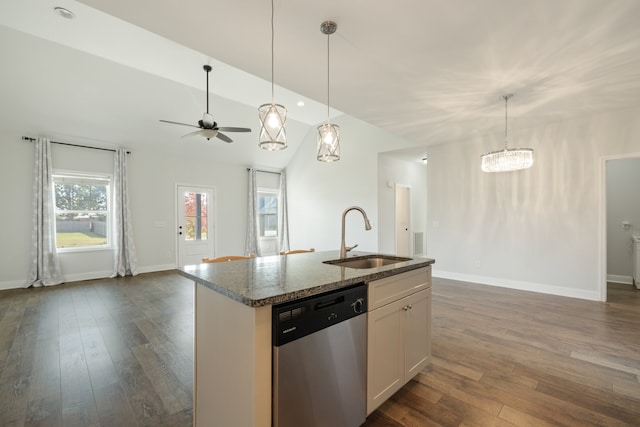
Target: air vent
point(418, 243)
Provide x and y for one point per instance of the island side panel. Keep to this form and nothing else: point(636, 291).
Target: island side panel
point(232, 362)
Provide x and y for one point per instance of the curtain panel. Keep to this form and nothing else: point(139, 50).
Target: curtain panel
point(45, 268)
point(251, 245)
point(125, 260)
point(283, 230)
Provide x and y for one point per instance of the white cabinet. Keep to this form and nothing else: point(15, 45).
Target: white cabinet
point(399, 333)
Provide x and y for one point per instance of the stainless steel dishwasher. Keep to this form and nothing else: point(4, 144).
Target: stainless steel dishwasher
point(319, 360)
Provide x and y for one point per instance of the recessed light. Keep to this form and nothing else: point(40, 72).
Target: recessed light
point(65, 13)
point(300, 104)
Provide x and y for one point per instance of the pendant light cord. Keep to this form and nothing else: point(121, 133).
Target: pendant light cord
point(328, 73)
point(506, 101)
point(272, 66)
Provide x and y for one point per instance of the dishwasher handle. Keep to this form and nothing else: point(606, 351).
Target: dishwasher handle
point(324, 304)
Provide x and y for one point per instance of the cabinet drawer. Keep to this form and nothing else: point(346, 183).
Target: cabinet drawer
point(392, 288)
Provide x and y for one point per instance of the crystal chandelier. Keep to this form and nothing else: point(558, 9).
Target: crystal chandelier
point(508, 159)
point(328, 134)
point(272, 116)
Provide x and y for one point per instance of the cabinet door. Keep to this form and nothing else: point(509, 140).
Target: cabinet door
point(385, 353)
point(417, 315)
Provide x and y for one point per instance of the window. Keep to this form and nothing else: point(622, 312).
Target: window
point(268, 213)
point(195, 212)
point(82, 210)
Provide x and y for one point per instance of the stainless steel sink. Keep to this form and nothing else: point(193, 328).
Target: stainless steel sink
point(367, 261)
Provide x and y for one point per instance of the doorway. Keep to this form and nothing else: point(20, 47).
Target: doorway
point(403, 220)
point(195, 230)
point(614, 228)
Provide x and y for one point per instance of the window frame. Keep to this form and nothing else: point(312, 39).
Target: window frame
point(87, 176)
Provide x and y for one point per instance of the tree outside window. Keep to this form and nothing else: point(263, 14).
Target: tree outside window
point(196, 205)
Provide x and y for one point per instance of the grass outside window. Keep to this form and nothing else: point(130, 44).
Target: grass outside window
point(79, 239)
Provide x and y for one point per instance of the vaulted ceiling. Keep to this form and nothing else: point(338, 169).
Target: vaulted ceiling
point(429, 71)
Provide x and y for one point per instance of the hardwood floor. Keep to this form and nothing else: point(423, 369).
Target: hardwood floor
point(119, 352)
point(504, 357)
point(115, 352)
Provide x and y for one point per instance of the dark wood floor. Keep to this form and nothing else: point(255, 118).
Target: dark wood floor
point(119, 352)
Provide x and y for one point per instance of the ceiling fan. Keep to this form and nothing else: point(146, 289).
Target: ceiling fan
point(207, 127)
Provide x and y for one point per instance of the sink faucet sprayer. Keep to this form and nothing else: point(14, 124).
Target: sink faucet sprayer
point(367, 225)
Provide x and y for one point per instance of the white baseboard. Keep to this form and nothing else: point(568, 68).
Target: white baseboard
point(522, 286)
point(154, 268)
point(12, 284)
point(68, 278)
point(616, 278)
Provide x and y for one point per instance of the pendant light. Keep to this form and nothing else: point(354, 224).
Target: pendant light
point(272, 116)
point(509, 159)
point(328, 134)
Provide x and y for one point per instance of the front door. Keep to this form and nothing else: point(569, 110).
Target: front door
point(195, 224)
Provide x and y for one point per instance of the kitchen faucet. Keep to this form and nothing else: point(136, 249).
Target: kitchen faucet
point(367, 225)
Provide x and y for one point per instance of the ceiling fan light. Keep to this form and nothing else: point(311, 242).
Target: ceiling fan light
point(272, 133)
point(328, 143)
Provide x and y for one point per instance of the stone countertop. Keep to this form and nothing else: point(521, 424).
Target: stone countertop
point(279, 278)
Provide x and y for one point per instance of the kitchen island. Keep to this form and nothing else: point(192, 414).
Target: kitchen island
point(233, 306)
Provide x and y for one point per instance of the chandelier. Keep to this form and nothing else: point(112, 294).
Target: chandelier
point(508, 159)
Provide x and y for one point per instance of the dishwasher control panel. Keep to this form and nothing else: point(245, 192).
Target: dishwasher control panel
point(296, 319)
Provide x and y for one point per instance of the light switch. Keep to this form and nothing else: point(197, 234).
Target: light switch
point(626, 225)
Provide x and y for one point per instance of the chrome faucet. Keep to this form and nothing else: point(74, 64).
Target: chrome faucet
point(367, 225)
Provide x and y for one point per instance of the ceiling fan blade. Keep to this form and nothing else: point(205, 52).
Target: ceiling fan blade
point(232, 129)
point(224, 137)
point(181, 124)
point(207, 133)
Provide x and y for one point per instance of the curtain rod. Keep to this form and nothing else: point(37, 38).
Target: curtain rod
point(26, 138)
point(258, 170)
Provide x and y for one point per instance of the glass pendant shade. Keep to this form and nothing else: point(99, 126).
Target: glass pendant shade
point(272, 134)
point(328, 134)
point(272, 116)
point(509, 159)
point(328, 142)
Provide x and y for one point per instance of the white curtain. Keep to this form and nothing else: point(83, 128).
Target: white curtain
point(45, 268)
point(284, 214)
point(125, 260)
point(251, 246)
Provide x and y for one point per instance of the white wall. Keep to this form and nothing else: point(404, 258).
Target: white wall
point(319, 192)
point(623, 204)
point(536, 229)
point(392, 172)
point(153, 175)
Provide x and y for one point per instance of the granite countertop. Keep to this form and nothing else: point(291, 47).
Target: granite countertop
point(274, 279)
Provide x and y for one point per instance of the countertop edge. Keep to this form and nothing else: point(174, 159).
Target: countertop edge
point(315, 290)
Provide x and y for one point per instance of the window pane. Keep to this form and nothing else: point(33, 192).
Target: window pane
point(268, 214)
point(195, 216)
point(81, 211)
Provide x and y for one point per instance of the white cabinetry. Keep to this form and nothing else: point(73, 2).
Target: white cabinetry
point(399, 332)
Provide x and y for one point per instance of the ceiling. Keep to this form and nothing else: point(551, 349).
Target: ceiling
point(429, 71)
